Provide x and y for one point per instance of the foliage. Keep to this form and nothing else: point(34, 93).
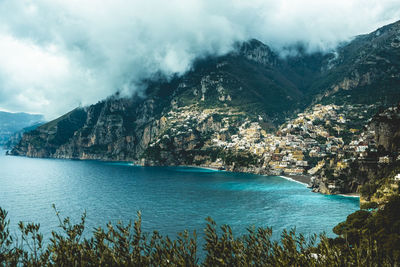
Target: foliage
point(240, 159)
point(127, 245)
point(321, 139)
point(381, 227)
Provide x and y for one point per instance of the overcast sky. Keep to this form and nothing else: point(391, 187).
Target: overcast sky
point(58, 54)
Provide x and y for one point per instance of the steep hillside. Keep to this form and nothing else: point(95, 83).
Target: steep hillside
point(247, 85)
point(364, 71)
point(369, 164)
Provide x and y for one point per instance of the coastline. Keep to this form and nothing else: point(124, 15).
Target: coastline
point(205, 167)
point(301, 179)
point(210, 168)
point(306, 180)
point(355, 195)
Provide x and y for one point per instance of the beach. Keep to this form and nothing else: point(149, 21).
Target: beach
point(302, 179)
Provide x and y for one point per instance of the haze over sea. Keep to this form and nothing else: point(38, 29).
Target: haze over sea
point(171, 199)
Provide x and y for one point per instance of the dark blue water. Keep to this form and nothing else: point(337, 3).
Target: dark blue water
point(171, 199)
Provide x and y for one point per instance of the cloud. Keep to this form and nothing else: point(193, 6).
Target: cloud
point(55, 54)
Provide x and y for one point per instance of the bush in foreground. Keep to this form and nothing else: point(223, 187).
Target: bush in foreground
point(127, 245)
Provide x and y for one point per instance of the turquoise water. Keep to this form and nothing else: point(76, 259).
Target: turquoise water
point(171, 198)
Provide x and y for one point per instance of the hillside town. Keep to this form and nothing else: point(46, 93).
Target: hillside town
point(301, 146)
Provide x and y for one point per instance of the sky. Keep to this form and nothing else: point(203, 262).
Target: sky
point(56, 55)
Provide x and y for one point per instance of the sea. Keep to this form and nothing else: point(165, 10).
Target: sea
point(171, 199)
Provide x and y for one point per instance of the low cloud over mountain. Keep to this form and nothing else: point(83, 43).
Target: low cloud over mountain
point(57, 54)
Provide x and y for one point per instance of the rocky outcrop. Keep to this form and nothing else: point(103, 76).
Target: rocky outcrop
point(256, 51)
point(386, 128)
point(115, 129)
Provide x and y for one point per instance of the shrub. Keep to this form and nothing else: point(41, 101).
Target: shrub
point(127, 245)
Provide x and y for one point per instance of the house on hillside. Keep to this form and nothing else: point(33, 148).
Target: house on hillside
point(384, 160)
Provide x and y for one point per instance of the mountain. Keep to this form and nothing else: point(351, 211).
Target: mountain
point(248, 84)
point(364, 71)
point(13, 122)
point(250, 110)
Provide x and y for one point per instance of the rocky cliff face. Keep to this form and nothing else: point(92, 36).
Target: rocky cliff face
point(386, 128)
point(115, 129)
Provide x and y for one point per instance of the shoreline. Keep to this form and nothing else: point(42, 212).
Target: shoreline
point(306, 180)
point(183, 166)
point(354, 195)
point(301, 179)
point(201, 167)
point(204, 167)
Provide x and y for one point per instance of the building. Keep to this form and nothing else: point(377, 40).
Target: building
point(384, 160)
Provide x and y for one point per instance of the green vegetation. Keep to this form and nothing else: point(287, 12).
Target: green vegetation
point(378, 190)
point(366, 239)
point(240, 158)
point(381, 228)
